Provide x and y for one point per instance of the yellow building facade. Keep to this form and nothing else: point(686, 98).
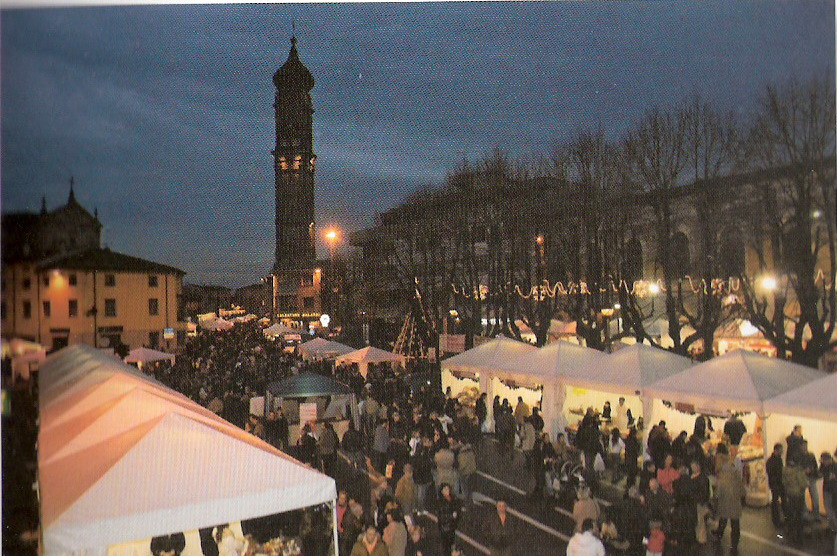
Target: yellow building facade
point(97, 296)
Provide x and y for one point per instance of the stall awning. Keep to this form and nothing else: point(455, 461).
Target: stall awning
point(551, 361)
point(628, 370)
point(490, 356)
point(815, 400)
point(307, 384)
point(122, 458)
point(369, 354)
point(736, 381)
point(147, 355)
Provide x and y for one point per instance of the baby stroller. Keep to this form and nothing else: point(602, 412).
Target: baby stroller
point(566, 479)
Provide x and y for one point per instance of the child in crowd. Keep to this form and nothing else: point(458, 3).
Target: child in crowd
point(656, 539)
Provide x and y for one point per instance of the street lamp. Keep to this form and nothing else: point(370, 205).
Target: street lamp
point(769, 283)
point(332, 236)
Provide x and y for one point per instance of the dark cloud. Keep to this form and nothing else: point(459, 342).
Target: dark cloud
point(163, 113)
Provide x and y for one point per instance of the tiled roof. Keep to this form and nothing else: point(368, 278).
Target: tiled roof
point(105, 259)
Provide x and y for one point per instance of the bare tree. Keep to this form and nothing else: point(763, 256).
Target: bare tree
point(792, 146)
point(712, 150)
point(656, 153)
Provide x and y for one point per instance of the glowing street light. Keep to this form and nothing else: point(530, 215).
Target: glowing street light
point(769, 283)
point(617, 306)
point(539, 240)
point(653, 288)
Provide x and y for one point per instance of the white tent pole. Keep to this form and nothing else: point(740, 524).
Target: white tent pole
point(334, 527)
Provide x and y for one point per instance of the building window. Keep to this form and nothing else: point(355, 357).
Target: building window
point(152, 281)
point(72, 279)
point(153, 307)
point(154, 339)
point(47, 308)
point(308, 303)
point(110, 280)
point(72, 307)
point(27, 283)
point(45, 280)
point(110, 307)
point(27, 309)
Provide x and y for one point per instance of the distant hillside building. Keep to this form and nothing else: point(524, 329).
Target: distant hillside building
point(205, 298)
point(60, 287)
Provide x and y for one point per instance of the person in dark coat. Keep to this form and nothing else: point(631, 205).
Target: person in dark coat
point(282, 429)
point(503, 533)
point(794, 442)
point(775, 467)
point(632, 448)
point(735, 429)
point(481, 409)
point(168, 545)
point(449, 510)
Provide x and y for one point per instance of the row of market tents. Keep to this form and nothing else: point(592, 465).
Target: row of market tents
point(566, 378)
point(123, 459)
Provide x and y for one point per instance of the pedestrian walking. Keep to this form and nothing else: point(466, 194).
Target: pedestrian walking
point(448, 512)
point(503, 534)
point(730, 489)
point(775, 467)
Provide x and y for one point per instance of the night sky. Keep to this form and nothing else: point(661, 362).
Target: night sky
point(163, 114)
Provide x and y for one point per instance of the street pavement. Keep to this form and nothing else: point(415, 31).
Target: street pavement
point(547, 528)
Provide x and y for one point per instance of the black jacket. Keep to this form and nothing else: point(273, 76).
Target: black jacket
point(774, 467)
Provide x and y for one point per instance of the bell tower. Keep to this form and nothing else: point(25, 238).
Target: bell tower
point(295, 279)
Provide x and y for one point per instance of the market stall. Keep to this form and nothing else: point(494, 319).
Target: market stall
point(474, 369)
point(320, 348)
point(544, 367)
point(313, 397)
point(624, 373)
point(25, 356)
point(147, 462)
point(364, 356)
point(739, 383)
point(814, 406)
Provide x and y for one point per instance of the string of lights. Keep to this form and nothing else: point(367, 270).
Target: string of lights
point(638, 288)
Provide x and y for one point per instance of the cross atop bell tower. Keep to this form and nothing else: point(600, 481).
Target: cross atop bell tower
point(293, 163)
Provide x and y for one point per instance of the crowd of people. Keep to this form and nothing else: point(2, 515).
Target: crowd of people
point(416, 447)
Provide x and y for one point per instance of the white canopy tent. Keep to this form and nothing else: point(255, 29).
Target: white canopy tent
point(144, 355)
point(367, 355)
point(545, 366)
point(147, 461)
point(814, 406)
point(320, 348)
point(626, 373)
point(479, 365)
point(279, 329)
point(738, 381)
point(217, 324)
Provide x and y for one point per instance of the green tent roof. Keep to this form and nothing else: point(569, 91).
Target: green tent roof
point(307, 384)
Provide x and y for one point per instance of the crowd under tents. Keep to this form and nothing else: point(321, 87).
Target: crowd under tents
point(279, 329)
point(770, 395)
point(146, 461)
point(335, 401)
point(737, 382)
point(364, 356)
